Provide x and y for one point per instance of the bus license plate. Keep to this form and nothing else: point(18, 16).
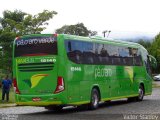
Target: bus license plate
point(36, 99)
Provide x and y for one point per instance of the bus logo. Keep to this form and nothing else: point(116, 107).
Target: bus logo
point(130, 72)
point(35, 79)
point(103, 72)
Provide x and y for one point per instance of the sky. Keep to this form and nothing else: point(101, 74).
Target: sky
point(119, 16)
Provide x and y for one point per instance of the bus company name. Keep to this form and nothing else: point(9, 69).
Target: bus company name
point(26, 60)
point(32, 60)
point(103, 72)
point(35, 41)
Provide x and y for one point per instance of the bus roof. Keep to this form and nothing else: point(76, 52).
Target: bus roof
point(103, 40)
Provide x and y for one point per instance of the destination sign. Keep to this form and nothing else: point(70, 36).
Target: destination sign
point(32, 41)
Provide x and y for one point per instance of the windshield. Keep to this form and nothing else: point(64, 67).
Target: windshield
point(33, 46)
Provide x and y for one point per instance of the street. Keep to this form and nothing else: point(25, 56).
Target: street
point(149, 108)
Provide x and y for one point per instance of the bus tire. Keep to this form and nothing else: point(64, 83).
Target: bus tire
point(140, 93)
point(94, 102)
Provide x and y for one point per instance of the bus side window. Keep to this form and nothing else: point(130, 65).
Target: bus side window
point(96, 58)
point(104, 56)
point(125, 55)
point(148, 65)
point(69, 46)
point(138, 61)
point(77, 48)
point(73, 52)
point(88, 57)
point(137, 58)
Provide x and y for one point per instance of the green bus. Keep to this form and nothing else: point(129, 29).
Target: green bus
point(55, 70)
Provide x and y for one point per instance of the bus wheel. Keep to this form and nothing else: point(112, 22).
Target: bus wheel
point(140, 93)
point(94, 103)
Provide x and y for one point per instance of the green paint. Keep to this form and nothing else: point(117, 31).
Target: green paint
point(37, 74)
point(28, 82)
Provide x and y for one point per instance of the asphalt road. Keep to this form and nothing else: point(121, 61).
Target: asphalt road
point(148, 109)
point(157, 82)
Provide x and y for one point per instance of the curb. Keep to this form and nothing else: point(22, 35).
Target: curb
point(7, 105)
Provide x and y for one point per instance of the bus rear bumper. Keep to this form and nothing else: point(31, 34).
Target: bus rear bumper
point(42, 103)
point(40, 100)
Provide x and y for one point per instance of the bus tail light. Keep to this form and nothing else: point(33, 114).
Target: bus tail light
point(55, 35)
point(60, 85)
point(15, 86)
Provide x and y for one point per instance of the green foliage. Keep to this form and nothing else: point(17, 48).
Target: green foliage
point(145, 44)
point(93, 33)
point(6, 39)
point(77, 29)
point(22, 23)
point(155, 50)
point(152, 48)
point(18, 23)
point(36, 24)
point(11, 18)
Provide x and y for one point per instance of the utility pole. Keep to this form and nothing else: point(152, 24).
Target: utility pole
point(108, 33)
point(104, 33)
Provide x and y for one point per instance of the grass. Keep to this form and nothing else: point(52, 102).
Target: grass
point(11, 97)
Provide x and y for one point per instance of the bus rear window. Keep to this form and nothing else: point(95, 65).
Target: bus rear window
point(33, 46)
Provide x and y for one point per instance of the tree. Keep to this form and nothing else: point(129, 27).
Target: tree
point(145, 44)
point(12, 20)
point(22, 23)
point(155, 50)
point(77, 29)
point(93, 33)
point(18, 23)
point(6, 39)
point(36, 24)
